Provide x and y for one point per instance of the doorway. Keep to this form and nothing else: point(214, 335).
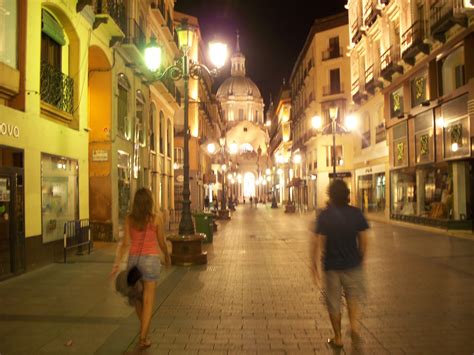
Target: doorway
point(12, 212)
point(249, 185)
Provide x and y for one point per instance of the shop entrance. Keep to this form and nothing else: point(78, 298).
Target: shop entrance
point(12, 212)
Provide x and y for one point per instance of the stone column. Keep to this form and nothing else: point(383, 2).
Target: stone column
point(459, 190)
point(420, 191)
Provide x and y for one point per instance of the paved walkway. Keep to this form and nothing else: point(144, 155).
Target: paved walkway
point(254, 296)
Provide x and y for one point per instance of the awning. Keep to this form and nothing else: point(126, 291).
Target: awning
point(52, 28)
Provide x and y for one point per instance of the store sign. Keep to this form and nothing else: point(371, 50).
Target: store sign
point(100, 155)
point(340, 175)
point(7, 129)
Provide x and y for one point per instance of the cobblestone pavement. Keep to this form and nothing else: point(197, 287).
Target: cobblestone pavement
point(255, 296)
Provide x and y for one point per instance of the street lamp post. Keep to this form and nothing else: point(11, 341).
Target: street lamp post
point(185, 68)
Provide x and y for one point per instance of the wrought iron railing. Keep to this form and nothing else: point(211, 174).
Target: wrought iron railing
point(135, 34)
point(369, 74)
point(333, 89)
point(172, 89)
point(331, 53)
point(443, 9)
point(56, 88)
point(355, 88)
point(114, 8)
point(391, 55)
point(415, 34)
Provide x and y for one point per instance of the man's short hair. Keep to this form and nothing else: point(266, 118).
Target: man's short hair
point(338, 193)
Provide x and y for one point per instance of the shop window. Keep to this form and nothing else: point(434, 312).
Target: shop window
point(162, 132)
point(403, 186)
point(418, 90)
point(455, 124)
point(123, 123)
point(396, 103)
point(451, 71)
point(123, 170)
point(400, 145)
point(9, 33)
point(372, 192)
point(330, 153)
point(139, 112)
point(59, 195)
point(424, 138)
point(152, 124)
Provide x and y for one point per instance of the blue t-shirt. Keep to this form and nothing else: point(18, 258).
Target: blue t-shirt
point(341, 226)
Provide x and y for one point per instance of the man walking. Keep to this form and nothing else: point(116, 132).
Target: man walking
point(342, 242)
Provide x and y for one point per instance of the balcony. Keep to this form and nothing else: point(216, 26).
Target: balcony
point(329, 90)
point(56, 88)
point(356, 32)
point(371, 13)
point(372, 79)
point(172, 89)
point(111, 13)
point(413, 42)
point(135, 41)
point(332, 53)
point(357, 92)
point(389, 62)
point(444, 14)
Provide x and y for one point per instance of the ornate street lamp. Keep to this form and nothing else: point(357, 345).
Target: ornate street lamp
point(185, 68)
point(350, 124)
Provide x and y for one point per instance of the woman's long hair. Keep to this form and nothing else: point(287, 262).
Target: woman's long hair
point(142, 209)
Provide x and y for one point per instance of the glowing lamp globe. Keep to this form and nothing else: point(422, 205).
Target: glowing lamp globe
point(153, 55)
point(211, 148)
point(185, 34)
point(218, 54)
point(351, 122)
point(316, 122)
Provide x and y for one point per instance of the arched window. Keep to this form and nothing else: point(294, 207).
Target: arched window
point(246, 147)
point(152, 125)
point(123, 122)
point(56, 87)
point(162, 132)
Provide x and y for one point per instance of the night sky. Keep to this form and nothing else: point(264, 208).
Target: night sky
point(272, 33)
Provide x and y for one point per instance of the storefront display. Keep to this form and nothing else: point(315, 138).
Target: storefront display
point(427, 192)
point(60, 195)
point(123, 167)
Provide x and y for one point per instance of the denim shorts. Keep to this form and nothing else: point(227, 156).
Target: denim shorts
point(149, 265)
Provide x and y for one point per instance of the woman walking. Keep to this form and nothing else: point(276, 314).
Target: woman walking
point(144, 236)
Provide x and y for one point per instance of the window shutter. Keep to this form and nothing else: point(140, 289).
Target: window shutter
point(52, 28)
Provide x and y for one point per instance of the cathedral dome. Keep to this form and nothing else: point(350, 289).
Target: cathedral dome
point(238, 86)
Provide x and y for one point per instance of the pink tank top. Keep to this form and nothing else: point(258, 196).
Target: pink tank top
point(143, 242)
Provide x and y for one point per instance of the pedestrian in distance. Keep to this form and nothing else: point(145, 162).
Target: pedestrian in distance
point(251, 201)
point(206, 203)
point(143, 238)
point(341, 244)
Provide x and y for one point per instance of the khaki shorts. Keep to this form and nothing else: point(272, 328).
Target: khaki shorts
point(350, 280)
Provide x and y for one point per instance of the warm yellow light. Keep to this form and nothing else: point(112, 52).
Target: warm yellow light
point(224, 167)
point(234, 148)
point(297, 159)
point(268, 123)
point(264, 182)
point(218, 54)
point(153, 55)
point(454, 147)
point(333, 112)
point(268, 171)
point(229, 176)
point(351, 122)
point(211, 148)
point(185, 36)
point(316, 122)
point(280, 171)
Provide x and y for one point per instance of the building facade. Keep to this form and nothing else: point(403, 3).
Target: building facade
point(320, 92)
point(424, 58)
point(371, 149)
point(246, 137)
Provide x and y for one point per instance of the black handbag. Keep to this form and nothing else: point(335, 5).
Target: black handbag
point(134, 275)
